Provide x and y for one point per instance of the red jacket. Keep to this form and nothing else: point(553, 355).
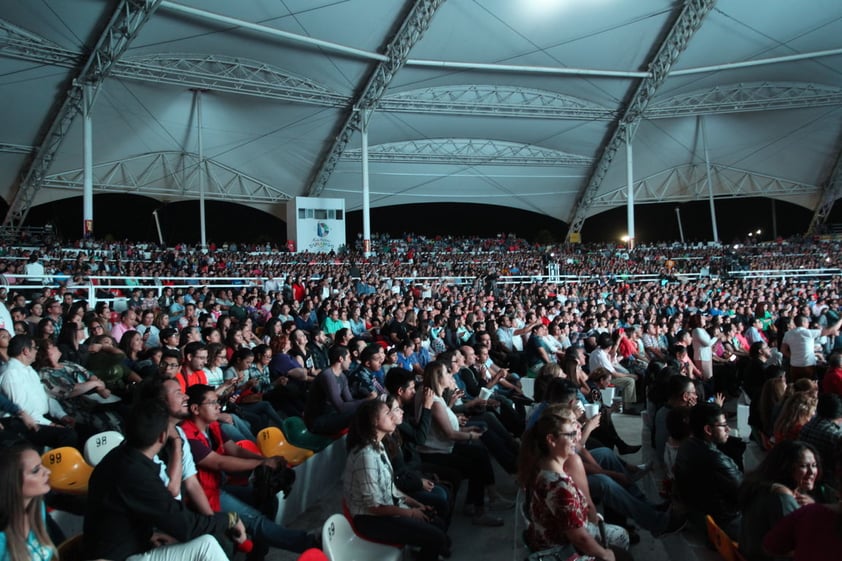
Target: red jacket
point(211, 481)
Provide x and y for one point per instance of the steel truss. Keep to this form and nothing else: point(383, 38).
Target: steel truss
point(171, 175)
point(122, 28)
point(831, 192)
point(411, 30)
point(740, 98)
point(689, 183)
point(502, 101)
point(468, 151)
point(15, 148)
point(688, 22)
point(226, 74)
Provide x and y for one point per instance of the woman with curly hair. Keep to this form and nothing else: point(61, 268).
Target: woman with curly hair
point(796, 411)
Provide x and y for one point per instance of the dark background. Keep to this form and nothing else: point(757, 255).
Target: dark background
point(130, 217)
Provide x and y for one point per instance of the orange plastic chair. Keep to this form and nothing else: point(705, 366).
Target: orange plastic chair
point(69, 472)
point(272, 442)
point(726, 547)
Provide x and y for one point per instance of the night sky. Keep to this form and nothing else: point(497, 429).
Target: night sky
point(130, 217)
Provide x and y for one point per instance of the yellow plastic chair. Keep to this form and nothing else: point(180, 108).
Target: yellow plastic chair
point(272, 442)
point(69, 472)
point(725, 546)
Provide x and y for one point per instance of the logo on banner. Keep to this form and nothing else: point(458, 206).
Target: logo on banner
point(322, 230)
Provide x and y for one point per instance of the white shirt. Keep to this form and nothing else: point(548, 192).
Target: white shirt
point(801, 343)
point(188, 466)
point(23, 386)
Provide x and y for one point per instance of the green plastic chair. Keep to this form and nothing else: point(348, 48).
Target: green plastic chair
point(299, 435)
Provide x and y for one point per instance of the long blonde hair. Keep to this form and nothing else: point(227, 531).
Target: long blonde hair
point(14, 517)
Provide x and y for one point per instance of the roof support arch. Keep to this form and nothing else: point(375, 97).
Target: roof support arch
point(124, 25)
point(411, 29)
point(687, 23)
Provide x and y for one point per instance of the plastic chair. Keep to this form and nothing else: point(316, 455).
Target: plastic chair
point(99, 445)
point(725, 546)
point(299, 435)
point(272, 442)
point(69, 472)
point(527, 386)
point(346, 512)
point(340, 543)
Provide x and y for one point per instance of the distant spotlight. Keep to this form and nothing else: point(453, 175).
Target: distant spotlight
point(758, 231)
point(736, 246)
point(827, 259)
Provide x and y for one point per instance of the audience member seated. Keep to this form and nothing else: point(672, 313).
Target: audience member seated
point(20, 382)
point(452, 444)
point(216, 457)
point(130, 513)
point(824, 432)
point(380, 512)
point(330, 405)
point(785, 480)
point(706, 479)
point(23, 524)
point(77, 390)
point(557, 509)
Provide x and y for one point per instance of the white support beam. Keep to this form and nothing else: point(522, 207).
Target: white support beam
point(689, 21)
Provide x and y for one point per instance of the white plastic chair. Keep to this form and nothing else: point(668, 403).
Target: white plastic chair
point(100, 444)
point(340, 543)
point(527, 386)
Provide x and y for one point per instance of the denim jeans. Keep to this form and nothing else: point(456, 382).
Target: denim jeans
point(264, 531)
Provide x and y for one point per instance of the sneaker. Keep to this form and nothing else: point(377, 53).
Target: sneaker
point(486, 520)
point(499, 503)
point(676, 523)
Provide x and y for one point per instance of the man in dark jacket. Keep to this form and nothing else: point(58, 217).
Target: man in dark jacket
point(706, 479)
point(130, 512)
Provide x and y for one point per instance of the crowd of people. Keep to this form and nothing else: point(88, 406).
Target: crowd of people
point(419, 352)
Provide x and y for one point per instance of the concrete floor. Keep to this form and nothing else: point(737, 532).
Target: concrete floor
point(504, 544)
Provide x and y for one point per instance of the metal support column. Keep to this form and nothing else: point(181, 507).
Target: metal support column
point(197, 98)
point(366, 116)
point(87, 163)
point(630, 184)
point(710, 183)
point(680, 227)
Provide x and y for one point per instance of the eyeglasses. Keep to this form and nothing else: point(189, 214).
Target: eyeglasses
point(214, 402)
point(722, 425)
point(570, 435)
point(169, 364)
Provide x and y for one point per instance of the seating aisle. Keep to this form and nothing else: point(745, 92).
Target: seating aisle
point(498, 544)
